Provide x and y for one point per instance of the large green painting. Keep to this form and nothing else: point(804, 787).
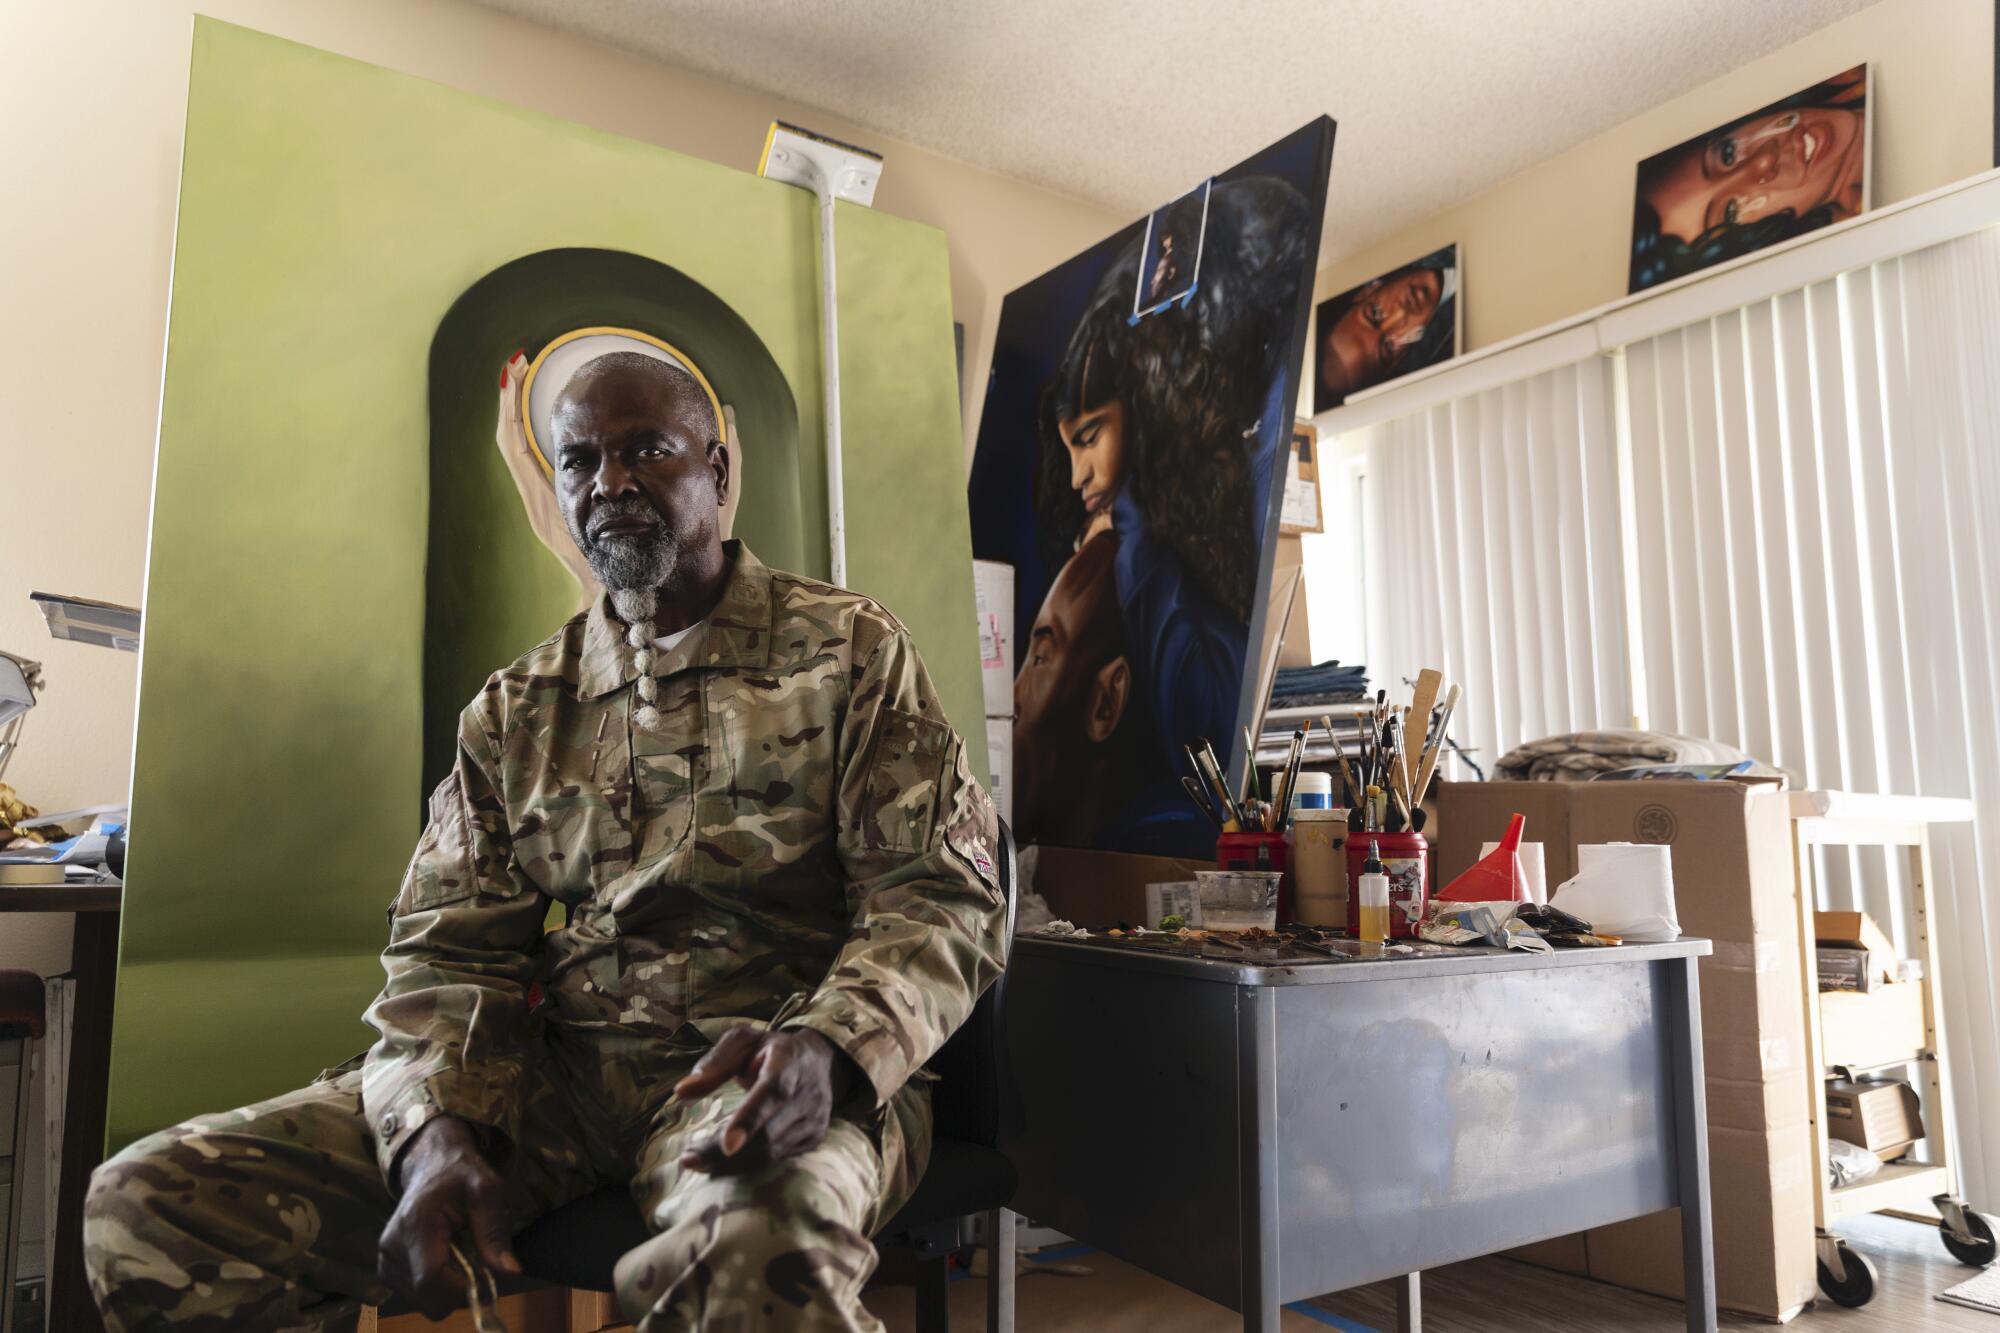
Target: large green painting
point(337, 548)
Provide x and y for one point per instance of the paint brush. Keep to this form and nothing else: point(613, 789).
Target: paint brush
point(1281, 784)
point(1292, 776)
point(1340, 755)
point(1199, 796)
point(1212, 784)
point(1392, 745)
point(1433, 748)
point(1237, 814)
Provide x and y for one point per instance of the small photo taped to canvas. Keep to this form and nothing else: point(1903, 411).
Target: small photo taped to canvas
point(1404, 320)
point(1780, 171)
point(1171, 262)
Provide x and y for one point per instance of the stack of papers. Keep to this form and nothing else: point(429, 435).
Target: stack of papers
point(83, 855)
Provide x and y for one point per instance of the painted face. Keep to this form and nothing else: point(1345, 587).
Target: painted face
point(1167, 269)
point(640, 476)
point(1095, 439)
point(1387, 316)
point(1797, 160)
point(1075, 636)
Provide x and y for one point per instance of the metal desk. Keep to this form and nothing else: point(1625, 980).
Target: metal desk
point(1262, 1132)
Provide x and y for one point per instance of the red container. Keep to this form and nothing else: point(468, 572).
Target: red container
point(1406, 860)
point(1241, 851)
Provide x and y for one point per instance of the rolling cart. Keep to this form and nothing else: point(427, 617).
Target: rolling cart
point(1841, 819)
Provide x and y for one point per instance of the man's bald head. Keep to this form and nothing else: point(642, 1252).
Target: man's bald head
point(624, 373)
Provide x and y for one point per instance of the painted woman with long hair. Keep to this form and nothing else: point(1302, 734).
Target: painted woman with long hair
point(1165, 431)
point(1788, 169)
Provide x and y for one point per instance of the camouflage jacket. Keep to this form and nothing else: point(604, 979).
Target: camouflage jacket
point(801, 844)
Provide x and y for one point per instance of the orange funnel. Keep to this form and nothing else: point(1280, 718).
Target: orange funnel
point(1492, 879)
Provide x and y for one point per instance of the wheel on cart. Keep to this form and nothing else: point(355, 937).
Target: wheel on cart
point(1977, 1251)
point(1853, 1285)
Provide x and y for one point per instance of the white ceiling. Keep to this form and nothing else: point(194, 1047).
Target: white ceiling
point(1127, 103)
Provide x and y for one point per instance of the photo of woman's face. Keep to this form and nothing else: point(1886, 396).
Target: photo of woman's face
point(1386, 316)
point(1095, 440)
point(1798, 159)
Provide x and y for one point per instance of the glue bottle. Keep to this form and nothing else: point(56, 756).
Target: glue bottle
point(1373, 898)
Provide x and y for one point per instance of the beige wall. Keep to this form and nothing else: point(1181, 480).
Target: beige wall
point(1553, 240)
point(90, 128)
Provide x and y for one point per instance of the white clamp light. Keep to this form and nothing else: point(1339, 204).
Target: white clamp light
point(832, 170)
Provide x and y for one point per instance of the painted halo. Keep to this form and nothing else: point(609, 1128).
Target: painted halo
point(549, 373)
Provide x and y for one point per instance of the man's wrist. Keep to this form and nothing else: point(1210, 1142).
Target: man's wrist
point(438, 1140)
point(843, 1075)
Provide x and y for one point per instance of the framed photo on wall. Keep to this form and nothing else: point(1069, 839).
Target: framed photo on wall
point(1780, 171)
point(1404, 320)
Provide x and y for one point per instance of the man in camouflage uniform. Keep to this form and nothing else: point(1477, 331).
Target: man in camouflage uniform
point(779, 898)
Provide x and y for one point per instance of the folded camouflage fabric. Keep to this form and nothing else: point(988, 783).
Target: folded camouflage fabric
point(1582, 755)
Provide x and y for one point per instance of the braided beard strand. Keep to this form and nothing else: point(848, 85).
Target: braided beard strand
point(636, 607)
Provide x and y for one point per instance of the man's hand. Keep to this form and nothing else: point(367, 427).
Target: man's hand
point(795, 1079)
point(449, 1191)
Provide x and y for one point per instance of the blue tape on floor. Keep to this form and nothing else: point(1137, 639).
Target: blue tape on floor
point(1061, 1252)
point(1328, 1317)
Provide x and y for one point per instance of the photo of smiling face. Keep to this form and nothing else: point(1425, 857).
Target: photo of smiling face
point(1362, 346)
point(1402, 321)
point(1780, 171)
point(1797, 160)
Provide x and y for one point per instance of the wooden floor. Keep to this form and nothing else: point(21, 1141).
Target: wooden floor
point(1484, 1296)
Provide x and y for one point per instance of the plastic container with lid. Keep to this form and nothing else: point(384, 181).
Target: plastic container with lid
point(1312, 791)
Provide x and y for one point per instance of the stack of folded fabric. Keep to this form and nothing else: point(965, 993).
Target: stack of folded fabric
point(1318, 686)
point(1582, 755)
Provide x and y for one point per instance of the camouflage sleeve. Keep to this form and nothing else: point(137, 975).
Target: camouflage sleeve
point(917, 840)
point(463, 940)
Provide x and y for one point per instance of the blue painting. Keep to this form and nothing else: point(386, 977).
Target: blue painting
point(1130, 468)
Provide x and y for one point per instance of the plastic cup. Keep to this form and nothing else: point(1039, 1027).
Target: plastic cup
point(1534, 868)
point(1238, 899)
point(1319, 866)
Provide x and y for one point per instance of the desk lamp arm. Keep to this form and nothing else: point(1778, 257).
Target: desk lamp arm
point(20, 680)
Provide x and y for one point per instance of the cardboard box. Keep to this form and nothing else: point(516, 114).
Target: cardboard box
point(1099, 889)
point(1847, 969)
point(1878, 1027)
point(1885, 1118)
point(993, 595)
point(1853, 930)
point(1853, 953)
point(1733, 884)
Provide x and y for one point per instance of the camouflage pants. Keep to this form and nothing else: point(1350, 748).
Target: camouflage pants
point(268, 1217)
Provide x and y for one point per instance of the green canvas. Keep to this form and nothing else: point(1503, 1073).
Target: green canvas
point(332, 216)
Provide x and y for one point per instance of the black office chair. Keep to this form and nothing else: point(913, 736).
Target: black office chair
point(577, 1245)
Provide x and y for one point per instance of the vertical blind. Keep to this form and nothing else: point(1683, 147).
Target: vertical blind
point(1819, 578)
point(1801, 558)
point(1495, 557)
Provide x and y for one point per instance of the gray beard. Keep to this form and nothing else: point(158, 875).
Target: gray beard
point(632, 566)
